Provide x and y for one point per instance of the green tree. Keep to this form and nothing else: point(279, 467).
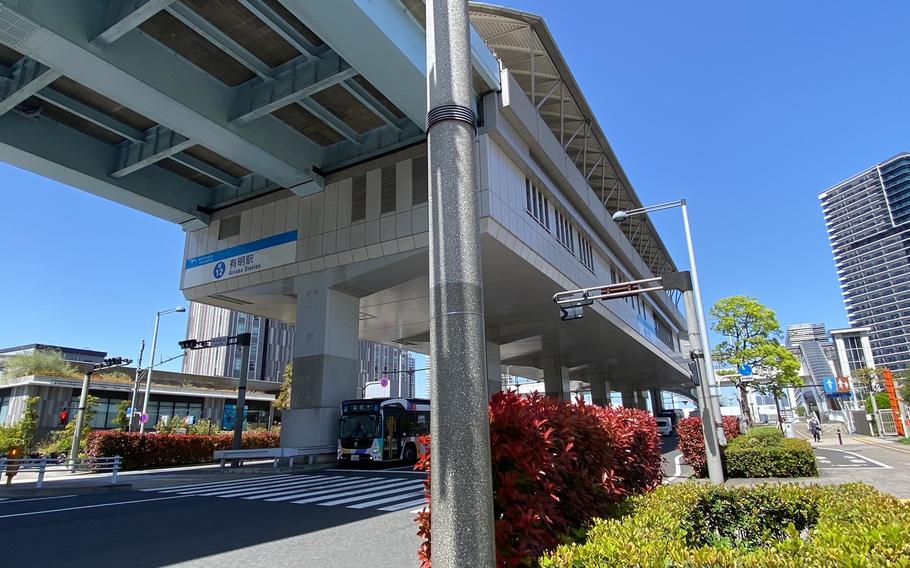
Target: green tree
point(122, 420)
point(748, 325)
point(776, 369)
point(28, 425)
point(40, 362)
point(283, 400)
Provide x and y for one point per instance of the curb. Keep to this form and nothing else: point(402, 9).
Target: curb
point(55, 491)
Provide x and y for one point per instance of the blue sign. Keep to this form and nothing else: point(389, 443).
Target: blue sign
point(745, 370)
point(219, 270)
point(830, 384)
point(129, 410)
point(246, 248)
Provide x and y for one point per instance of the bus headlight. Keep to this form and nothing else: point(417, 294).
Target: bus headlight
point(375, 450)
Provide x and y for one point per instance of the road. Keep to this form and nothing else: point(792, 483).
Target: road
point(320, 519)
point(203, 518)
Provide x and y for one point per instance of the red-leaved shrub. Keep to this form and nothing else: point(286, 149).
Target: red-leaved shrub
point(557, 465)
point(139, 451)
point(692, 441)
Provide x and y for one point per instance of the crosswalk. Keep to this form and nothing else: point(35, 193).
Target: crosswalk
point(352, 492)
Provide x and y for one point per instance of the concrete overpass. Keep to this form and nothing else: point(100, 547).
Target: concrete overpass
point(286, 138)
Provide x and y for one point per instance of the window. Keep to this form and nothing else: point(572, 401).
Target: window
point(537, 205)
point(387, 195)
point(419, 180)
point(359, 198)
point(586, 253)
point(564, 232)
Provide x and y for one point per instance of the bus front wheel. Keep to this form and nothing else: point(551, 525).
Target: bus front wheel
point(410, 454)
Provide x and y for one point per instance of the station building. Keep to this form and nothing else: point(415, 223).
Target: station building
point(287, 138)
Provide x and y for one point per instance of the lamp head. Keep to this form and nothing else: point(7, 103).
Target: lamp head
point(179, 309)
point(620, 216)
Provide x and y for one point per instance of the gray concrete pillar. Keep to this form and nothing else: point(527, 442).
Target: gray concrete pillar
point(657, 401)
point(325, 361)
point(633, 398)
point(494, 369)
point(556, 381)
point(600, 391)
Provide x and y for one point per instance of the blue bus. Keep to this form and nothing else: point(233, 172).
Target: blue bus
point(383, 429)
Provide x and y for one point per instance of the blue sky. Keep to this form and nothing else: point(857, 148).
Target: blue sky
point(746, 109)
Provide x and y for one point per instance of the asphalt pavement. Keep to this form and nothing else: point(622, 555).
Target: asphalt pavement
point(315, 519)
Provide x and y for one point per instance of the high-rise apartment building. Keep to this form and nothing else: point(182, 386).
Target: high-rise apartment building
point(868, 223)
point(272, 348)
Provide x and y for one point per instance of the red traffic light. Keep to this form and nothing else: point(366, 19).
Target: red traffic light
point(64, 416)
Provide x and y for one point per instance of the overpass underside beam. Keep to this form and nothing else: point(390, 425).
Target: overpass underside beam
point(23, 80)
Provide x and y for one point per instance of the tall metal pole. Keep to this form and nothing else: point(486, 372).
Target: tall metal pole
point(243, 341)
point(708, 376)
point(80, 419)
point(129, 427)
point(461, 487)
point(148, 376)
point(712, 445)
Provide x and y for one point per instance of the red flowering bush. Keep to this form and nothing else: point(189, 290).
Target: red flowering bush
point(557, 465)
point(692, 441)
point(139, 451)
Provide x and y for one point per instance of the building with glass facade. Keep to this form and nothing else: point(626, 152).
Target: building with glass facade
point(868, 222)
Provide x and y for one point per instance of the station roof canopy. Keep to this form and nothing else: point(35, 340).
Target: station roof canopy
point(525, 46)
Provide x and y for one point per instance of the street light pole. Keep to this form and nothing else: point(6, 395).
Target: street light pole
point(461, 486)
point(80, 418)
point(136, 379)
point(243, 341)
point(148, 375)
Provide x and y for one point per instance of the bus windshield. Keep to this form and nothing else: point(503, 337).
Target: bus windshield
point(359, 426)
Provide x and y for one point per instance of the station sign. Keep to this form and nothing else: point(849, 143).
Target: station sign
point(247, 258)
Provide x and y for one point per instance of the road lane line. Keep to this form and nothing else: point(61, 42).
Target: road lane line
point(258, 488)
point(213, 484)
point(296, 491)
point(310, 493)
point(360, 495)
point(386, 485)
point(870, 460)
point(91, 506)
point(409, 504)
point(38, 498)
point(386, 500)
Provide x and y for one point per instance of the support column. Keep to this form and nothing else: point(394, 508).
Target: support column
point(494, 370)
point(325, 362)
point(657, 401)
point(556, 381)
point(600, 391)
point(628, 398)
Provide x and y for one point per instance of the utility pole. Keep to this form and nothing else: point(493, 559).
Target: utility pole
point(83, 402)
point(461, 486)
point(136, 378)
point(243, 341)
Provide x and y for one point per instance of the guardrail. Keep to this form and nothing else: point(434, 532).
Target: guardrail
point(275, 454)
point(10, 467)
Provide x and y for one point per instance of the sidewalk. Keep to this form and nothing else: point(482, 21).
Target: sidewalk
point(883, 464)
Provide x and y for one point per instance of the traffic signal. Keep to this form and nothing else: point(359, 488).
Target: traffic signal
point(188, 343)
point(64, 417)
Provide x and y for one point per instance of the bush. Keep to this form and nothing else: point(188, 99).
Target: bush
point(9, 437)
point(47, 363)
point(692, 441)
point(140, 451)
point(757, 456)
point(556, 465)
point(767, 526)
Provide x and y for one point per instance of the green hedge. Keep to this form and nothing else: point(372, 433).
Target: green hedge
point(764, 452)
point(695, 525)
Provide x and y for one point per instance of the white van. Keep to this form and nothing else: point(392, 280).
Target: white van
point(664, 425)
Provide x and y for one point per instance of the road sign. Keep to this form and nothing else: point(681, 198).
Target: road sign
point(830, 385)
point(129, 410)
point(143, 418)
point(384, 381)
point(745, 370)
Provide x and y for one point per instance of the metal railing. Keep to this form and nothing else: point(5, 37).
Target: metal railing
point(10, 467)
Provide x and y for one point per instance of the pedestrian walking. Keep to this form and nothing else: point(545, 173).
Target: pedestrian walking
point(816, 429)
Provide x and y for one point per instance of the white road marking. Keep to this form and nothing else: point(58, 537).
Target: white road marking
point(385, 484)
point(321, 491)
point(38, 498)
point(92, 506)
point(387, 490)
point(258, 488)
point(174, 488)
point(386, 500)
point(401, 506)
